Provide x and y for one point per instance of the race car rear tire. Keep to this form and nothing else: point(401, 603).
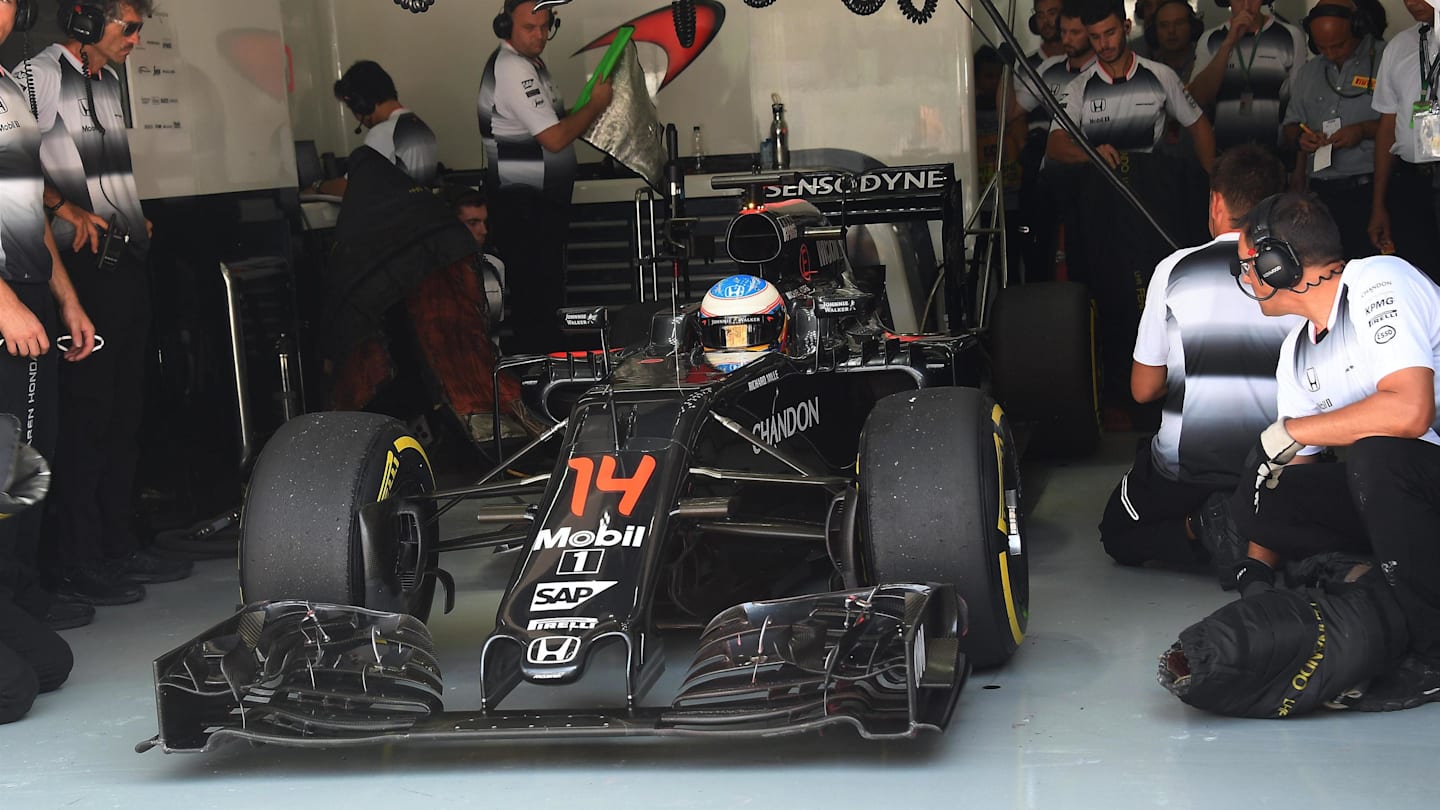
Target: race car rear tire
point(939, 502)
point(300, 533)
point(1044, 372)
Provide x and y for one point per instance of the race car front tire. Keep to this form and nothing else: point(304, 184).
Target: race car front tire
point(300, 532)
point(940, 502)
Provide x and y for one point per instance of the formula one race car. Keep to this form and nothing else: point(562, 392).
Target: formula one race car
point(835, 505)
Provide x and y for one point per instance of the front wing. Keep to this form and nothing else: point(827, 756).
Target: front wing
point(885, 660)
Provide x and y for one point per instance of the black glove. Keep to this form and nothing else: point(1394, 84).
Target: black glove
point(24, 475)
point(1252, 576)
point(1275, 448)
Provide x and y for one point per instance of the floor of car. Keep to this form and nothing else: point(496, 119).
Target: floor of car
point(1076, 719)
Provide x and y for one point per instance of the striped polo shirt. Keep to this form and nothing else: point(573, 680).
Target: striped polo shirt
point(1262, 68)
point(518, 101)
point(23, 256)
point(1128, 112)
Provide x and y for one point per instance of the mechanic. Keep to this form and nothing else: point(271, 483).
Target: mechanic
point(1045, 23)
point(36, 300)
point(1144, 20)
point(33, 659)
point(474, 213)
point(393, 130)
point(1037, 210)
point(105, 238)
point(1404, 218)
point(1172, 35)
point(1358, 375)
point(530, 168)
point(1244, 69)
point(1120, 104)
point(1212, 359)
point(1330, 107)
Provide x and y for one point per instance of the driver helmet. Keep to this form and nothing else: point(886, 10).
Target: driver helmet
point(742, 314)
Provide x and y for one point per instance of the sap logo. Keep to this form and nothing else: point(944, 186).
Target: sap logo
point(584, 561)
point(604, 537)
point(572, 624)
point(552, 650)
point(795, 419)
point(1097, 105)
point(566, 595)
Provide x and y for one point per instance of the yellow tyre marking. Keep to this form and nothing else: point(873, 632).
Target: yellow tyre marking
point(392, 464)
point(1002, 523)
point(1015, 631)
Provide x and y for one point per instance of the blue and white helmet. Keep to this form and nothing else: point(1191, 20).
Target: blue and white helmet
point(742, 313)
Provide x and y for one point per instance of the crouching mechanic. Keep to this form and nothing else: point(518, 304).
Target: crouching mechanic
point(1211, 357)
point(1357, 376)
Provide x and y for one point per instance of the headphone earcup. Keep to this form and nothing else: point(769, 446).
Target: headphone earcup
point(25, 15)
point(82, 22)
point(1276, 264)
point(1309, 40)
point(503, 25)
point(1034, 25)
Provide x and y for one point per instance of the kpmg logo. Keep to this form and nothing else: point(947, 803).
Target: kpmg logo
point(553, 650)
point(566, 595)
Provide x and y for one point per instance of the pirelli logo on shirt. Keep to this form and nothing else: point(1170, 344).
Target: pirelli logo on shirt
point(1363, 83)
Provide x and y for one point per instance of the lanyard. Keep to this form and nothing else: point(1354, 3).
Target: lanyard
point(1339, 83)
point(1254, 49)
point(1428, 68)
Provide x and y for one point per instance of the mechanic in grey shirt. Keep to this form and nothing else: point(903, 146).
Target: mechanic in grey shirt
point(1405, 208)
point(1210, 355)
point(1120, 104)
point(1244, 68)
point(1330, 106)
point(393, 130)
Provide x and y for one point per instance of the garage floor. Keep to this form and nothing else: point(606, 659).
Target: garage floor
point(1075, 720)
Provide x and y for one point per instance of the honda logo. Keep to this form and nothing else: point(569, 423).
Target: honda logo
point(552, 650)
point(1097, 105)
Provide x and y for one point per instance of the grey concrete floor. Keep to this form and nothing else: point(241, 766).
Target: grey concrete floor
point(1075, 720)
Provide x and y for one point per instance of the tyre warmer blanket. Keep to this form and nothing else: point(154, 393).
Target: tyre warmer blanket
point(1284, 651)
point(398, 243)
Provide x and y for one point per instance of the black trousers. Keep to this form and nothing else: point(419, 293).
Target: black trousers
point(1382, 500)
point(28, 390)
point(529, 232)
point(91, 503)
point(1349, 201)
point(33, 659)
point(1145, 518)
point(1412, 201)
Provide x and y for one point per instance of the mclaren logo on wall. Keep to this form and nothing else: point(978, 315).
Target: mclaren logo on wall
point(658, 28)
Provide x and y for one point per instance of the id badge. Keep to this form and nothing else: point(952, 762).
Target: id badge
point(1247, 100)
point(1427, 134)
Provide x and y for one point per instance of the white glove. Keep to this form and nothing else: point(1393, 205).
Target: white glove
point(1275, 449)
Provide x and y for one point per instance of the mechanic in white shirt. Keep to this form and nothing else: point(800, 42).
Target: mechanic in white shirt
point(1211, 357)
point(394, 131)
point(1403, 214)
point(1358, 375)
point(530, 168)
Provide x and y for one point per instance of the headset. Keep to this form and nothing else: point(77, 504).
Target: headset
point(504, 23)
point(1359, 21)
point(25, 15)
point(82, 20)
point(1152, 33)
point(354, 98)
point(1276, 262)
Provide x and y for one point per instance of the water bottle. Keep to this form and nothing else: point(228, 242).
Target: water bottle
point(779, 133)
point(697, 145)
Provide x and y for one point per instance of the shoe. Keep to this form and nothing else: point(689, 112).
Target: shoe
point(142, 566)
point(65, 615)
point(1414, 683)
point(98, 587)
point(1219, 535)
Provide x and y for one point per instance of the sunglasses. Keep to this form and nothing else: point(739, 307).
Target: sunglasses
point(129, 29)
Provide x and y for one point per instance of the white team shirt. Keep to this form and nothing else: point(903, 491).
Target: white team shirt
point(1219, 352)
point(1129, 113)
point(1397, 85)
point(1386, 318)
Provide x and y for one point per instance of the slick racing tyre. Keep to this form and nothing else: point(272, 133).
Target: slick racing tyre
point(300, 532)
point(1043, 370)
point(940, 502)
